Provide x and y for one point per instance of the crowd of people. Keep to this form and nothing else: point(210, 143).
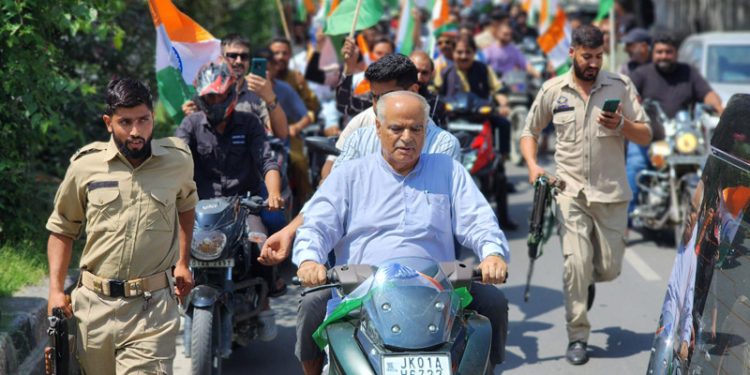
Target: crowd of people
point(397, 184)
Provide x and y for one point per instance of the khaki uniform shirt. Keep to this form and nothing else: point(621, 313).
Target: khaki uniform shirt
point(130, 214)
point(589, 157)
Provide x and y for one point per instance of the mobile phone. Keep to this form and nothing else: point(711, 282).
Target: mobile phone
point(610, 105)
point(258, 66)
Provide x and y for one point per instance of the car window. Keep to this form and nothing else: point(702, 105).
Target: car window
point(692, 53)
point(728, 64)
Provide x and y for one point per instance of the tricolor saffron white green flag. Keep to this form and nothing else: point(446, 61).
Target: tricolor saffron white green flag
point(439, 23)
point(554, 37)
point(304, 8)
point(182, 47)
point(604, 8)
point(406, 29)
point(341, 18)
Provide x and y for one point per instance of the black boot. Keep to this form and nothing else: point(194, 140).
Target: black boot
point(576, 353)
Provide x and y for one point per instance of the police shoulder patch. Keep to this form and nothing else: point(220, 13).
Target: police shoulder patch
point(89, 149)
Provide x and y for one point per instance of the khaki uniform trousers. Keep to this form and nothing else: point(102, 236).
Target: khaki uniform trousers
point(125, 335)
point(593, 244)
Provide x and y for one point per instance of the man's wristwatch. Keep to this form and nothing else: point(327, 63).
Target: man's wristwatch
point(274, 103)
point(620, 124)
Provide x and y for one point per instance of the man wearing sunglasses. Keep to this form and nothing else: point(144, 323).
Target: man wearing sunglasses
point(256, 94)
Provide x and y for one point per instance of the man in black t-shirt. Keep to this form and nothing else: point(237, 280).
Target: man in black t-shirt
point(674, 85)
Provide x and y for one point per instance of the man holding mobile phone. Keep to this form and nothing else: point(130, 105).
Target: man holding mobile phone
point(255, 92)
point(593, 112)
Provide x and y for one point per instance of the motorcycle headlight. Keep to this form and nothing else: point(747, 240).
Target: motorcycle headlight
point(485, 110)
point(207, 245)
point(686, 142)
point(448, 107)
point(658, 153)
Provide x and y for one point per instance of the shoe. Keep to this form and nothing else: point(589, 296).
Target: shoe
point(267, 320)
point(576, 354)
point(592, 294)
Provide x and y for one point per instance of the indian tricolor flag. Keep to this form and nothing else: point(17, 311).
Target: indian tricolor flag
point(182, 47)
point(554, 32)
point(406, 29)
point(439, 23)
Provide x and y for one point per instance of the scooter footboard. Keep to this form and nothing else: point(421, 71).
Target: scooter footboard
point(346, 355)
point(478, 343)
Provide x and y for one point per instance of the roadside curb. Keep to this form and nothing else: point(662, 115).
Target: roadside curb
point(23, 328)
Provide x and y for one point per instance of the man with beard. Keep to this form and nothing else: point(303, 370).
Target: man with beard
point(589, 157)
point(425, 73)
point(136, 197)
point(673, 85)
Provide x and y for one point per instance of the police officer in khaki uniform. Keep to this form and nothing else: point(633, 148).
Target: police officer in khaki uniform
point(136, 197)
point(590, 158)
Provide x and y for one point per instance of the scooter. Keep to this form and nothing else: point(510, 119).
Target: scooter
point(224, 306)
point(406, 316)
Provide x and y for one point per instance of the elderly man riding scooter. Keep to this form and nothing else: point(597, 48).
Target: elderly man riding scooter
point(398, 203)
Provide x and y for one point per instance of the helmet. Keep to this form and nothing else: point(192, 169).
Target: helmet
point(215, 78)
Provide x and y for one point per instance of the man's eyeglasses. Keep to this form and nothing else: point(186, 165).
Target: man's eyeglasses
point(235, 56)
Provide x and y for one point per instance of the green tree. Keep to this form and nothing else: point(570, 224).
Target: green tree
point(56, 57)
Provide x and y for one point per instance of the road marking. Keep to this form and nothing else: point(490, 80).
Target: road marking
point(641, 266)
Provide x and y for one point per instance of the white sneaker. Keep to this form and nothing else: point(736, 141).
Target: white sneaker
point(267, 331)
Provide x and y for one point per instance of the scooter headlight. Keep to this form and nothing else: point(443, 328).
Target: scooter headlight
point(658, 154)
point(686, 142)
point(207, 245)
point(485, 110)
point(448, 107)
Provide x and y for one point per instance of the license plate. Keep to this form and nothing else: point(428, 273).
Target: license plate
point(419, 364)
point(215, 264)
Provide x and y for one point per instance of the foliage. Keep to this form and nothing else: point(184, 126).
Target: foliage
point(56, 57)
point(23, 263)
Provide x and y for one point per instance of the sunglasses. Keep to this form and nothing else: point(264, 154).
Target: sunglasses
point(235, 56)
point(445, 42)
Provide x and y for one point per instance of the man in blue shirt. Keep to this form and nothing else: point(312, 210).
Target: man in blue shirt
point(403, 199)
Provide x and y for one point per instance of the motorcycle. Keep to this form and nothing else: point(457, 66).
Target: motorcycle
point(406, 316)
point(469, 120)
point(318, 149)
point(667, 190)
point(224, 306)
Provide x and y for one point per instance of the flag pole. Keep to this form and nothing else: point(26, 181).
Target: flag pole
point(612, 26)
point(283, 20)
point(356, 18)
point(354, 28)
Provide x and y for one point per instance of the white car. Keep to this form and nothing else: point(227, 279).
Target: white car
point(723, 58)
